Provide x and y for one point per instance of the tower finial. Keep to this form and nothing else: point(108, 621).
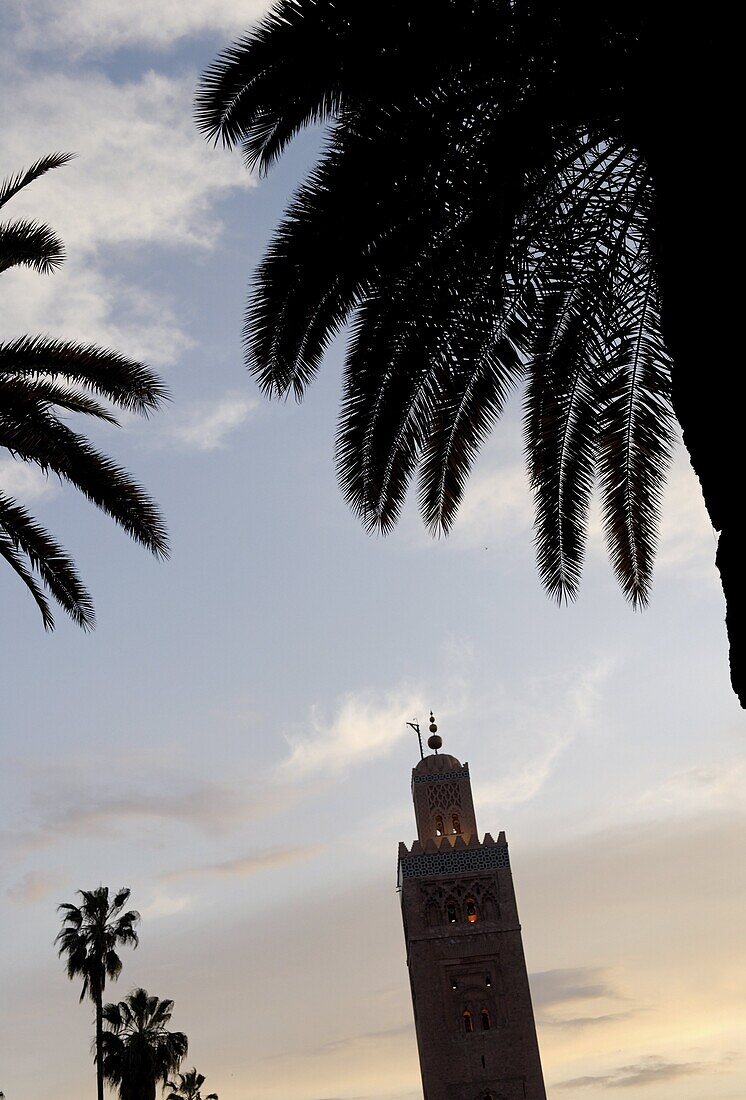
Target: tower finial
point(434, 741)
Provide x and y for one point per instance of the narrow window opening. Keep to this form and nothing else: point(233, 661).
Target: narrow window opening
point(484, 1064)
point(471, 911)
point(468, 1021)
point(451, 913)
point(454, 983)
point(485, 1020)
point(439, 826)
point(488, 980)
point(456, 823)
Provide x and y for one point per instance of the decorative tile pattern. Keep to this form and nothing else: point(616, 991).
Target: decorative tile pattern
point(462, 773)
point(453, 862)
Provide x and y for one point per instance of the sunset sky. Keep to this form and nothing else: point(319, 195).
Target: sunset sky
point(231, 742)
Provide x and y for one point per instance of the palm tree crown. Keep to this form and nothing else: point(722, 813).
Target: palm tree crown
point(494, 248)
point(42, 379)
point(500, 208)
point(188, 1087)
point(90, 935)
point(139, 1051)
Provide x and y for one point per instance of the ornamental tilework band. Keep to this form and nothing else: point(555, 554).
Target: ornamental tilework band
point(454, 863)
point(462, 773)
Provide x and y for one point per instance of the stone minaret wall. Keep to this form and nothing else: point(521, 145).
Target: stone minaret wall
point(470, 993)
point(443, 797)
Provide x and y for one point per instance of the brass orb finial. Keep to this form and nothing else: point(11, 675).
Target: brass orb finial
point(434, 741)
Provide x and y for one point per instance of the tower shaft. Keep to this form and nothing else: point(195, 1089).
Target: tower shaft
point(470, 992)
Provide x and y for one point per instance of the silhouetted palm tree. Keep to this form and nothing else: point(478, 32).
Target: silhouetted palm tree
point(505, 196)
point(139, 1051)
point(89, 938)
point(188, 1087)
point(40, 378)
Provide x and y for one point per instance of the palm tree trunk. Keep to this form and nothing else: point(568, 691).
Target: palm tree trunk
point(99, 1046)
point(686, 140)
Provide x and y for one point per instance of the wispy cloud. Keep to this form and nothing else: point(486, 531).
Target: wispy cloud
point(497, 507)
point(558, 995)
point(33, 887)
point(205, 425)
point(647, 1071)
point(165, 905)
point(246, 865)
point(18, 479)
point(718, 786)
point(81, 811)
point(85, 26)
point(143, 178)
point(554, 987)
point(546, 731)
point(365, 726)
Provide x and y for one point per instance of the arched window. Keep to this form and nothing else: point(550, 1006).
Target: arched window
point(471, 911)
point(468, 1022)
point(432, 913)
point(439, 826)
point(451, 912)
point(489, 908)
point(486, 1023)
point(455, 823)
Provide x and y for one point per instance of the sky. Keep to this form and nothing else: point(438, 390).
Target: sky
point(231, 741)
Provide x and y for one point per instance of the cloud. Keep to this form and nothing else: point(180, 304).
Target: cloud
point(34, 886)
point(557, 993)
point(164, 905)
point(17, 479)
point(143, 179)
point(687, 539)
point(543, 733)
point(719, 786)
point(106, 25)
point(204, 426)
point(78, 811)
point(648, 1071)
point(246, 865)
point(554, 987)
point(365, 726)
point(143, 175)
point(497, 507)
point(81, 303)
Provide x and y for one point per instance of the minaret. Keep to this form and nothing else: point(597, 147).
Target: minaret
point(472, 1004)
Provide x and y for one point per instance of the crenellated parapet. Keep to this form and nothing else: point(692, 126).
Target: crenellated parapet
point(461, 857)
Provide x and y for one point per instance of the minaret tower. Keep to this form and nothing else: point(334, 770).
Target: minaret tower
point(472, 1004)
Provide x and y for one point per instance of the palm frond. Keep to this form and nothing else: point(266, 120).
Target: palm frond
point(126, 383)
point(561, 439)
point(261, 91)
point(17, 393)
point(13, 184)
point(635, 440)
point(55, 568)
point(30, 244)
point(51, 445)
point(15, 560)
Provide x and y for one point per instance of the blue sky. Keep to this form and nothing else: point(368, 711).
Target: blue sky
point(231, 740)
